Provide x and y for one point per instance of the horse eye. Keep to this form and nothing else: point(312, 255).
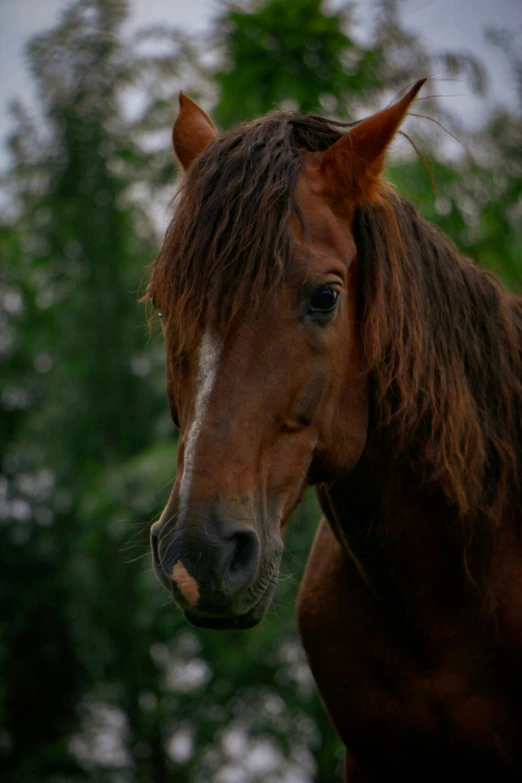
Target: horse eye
point(155, 306)
point(324, 300)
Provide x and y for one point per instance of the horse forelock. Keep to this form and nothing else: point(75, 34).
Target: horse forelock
point(227, 246)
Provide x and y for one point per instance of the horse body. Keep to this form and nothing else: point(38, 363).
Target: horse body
point(318, 331)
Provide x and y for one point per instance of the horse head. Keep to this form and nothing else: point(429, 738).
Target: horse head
point(258, 288)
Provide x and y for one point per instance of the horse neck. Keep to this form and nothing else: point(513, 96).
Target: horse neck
point(407, 542)
point(403, 540)
point(373, 494)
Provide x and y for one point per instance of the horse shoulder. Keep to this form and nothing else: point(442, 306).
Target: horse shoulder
point(317, 618)
point(353, 661)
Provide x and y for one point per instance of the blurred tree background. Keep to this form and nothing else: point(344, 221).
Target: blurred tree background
point(101, 678)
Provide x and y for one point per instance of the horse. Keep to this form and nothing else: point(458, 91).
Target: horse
point(319, 331)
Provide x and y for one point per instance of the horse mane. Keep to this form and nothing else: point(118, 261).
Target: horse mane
point(442, 340)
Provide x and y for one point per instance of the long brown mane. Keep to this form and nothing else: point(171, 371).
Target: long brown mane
point(442, 339)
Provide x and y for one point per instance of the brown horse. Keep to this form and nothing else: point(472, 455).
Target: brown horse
point(319, 331)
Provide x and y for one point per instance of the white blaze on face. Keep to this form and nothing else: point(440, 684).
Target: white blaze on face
point(209, 356)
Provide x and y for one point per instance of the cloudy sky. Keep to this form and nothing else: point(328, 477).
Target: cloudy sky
point(441, 24)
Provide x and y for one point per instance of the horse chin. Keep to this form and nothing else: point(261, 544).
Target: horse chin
point(249, 619)
point(241, 623)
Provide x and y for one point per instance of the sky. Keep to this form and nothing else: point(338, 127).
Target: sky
point(441, 24)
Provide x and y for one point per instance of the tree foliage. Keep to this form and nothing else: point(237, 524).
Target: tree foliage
point(102, 679)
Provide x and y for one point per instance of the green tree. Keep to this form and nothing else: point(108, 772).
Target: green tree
point(290, 54)
point(303, 55)
point(77, 397)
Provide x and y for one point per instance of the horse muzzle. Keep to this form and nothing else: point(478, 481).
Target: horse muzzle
point(213, 569)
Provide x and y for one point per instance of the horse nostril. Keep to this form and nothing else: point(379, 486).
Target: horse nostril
point(245, 550)
point(154, 545)
point(156, 561)
point(244, 561)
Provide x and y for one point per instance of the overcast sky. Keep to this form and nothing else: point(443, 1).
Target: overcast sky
point(442, 24)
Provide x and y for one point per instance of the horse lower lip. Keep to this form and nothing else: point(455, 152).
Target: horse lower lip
point(225, 623)
point(249, 619)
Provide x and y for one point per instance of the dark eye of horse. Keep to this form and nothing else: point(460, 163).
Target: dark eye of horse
point(323, 301)
point(155, 306)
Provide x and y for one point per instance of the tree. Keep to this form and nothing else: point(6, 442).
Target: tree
point(73, 258)
point(290, 54)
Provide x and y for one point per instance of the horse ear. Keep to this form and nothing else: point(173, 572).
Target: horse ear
point(192, 131)
point(357, 158)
